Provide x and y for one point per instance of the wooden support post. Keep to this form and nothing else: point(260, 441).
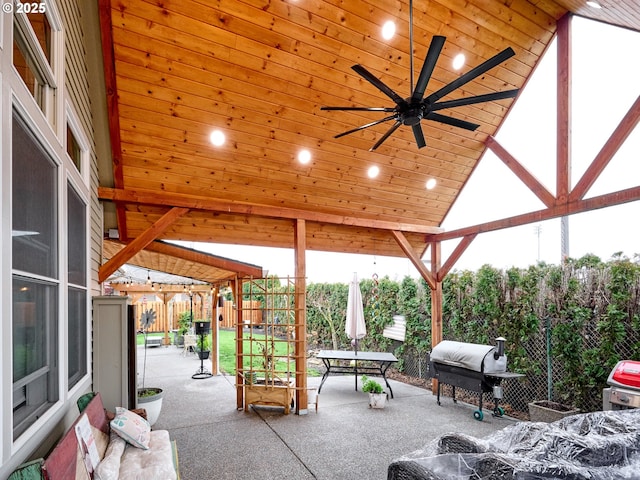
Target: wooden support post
point(436, 302)
point(214, 331)
point(301, 316)
point(236, 288)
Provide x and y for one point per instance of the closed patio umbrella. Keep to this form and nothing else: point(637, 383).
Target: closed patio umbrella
point(355, 326)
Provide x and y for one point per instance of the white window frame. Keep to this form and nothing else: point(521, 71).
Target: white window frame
point(79, 181)
point(50, 74)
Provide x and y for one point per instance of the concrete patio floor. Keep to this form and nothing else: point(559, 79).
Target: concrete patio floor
point(344, 439)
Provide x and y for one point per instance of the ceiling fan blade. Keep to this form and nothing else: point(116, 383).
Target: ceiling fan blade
point(471, 74)
point(393, 128)
point(362, 109)
point(376, 82)
point(419, 136)
point(456, 122)
point(489, 97)
point(437, 42)
point(362, 127)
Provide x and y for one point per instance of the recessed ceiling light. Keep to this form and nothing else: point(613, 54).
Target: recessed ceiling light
point(458, 61)
point(594, 4)
point(217, 138)
point(373, 171)
point(388, 30)
point(304, 156)
point(431, 183)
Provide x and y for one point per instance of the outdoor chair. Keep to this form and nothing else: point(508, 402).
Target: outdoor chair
point(190, 342)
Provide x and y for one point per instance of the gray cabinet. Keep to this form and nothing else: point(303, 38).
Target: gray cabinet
point(114, 351)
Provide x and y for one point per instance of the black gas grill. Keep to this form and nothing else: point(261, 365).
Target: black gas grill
point(474, 367)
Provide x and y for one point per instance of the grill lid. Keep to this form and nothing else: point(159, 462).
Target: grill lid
point(472, 356)
point(625, 374)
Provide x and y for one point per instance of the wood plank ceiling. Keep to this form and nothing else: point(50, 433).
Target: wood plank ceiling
point(175, 260)
point(259, 70)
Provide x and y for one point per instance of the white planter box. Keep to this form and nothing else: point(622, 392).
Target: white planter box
point(377, 400)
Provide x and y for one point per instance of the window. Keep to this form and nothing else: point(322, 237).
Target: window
point(73, 149)
point(32, 57)
point(35, 278)
point(77, 289)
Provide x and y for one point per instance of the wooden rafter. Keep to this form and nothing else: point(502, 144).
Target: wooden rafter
point(140, 242)
point(521, 172)
point(414, 258)
point(455, 255)
point(569, 208)
point(617, 138)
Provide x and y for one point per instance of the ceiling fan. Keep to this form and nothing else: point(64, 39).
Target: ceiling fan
point(410, 111)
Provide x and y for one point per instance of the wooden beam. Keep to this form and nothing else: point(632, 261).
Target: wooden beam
point(570, 208)
point(172, 289)
point(522, 173)
point(139, 243)
point(415, 259)
point(300, 241)
point(453, 258)
point(436, 303)
point(196, 202)
point(108, 60)
point(615, 141)
point(563, 148)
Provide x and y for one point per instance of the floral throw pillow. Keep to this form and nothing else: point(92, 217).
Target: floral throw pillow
point(131, 427)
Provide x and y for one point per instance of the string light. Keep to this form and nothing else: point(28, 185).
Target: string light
point(148, 277)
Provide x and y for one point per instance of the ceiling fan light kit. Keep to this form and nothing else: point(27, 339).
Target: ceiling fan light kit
point(412, 110)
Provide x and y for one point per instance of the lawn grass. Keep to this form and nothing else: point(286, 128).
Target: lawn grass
point(140, 337)
point(227, 342)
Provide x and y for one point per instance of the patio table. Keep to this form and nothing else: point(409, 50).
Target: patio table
point(382, 361)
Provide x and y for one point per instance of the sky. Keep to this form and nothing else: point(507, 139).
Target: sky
point(600, 56)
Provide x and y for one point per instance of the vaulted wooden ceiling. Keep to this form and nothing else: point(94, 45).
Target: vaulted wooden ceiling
point(260, 70)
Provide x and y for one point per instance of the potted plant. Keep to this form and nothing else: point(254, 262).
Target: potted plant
point(377, 395)
point(203, 346)
point(184, 323)
point(149, 398)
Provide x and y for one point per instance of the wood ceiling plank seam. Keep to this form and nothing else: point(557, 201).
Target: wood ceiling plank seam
point(203, 20)
point(380, 210)
point(449, 141)
point(484, 87)
point(243, 176)
point(276, 51)
point(154, 133)
point(277, 127)
point(435, 19)
point(128, 113)
point(553, 8)
point(446, 185)
point(410, 195)
point(484, 22)
point(412, 187)
point(124, 101)
point(391, 200)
